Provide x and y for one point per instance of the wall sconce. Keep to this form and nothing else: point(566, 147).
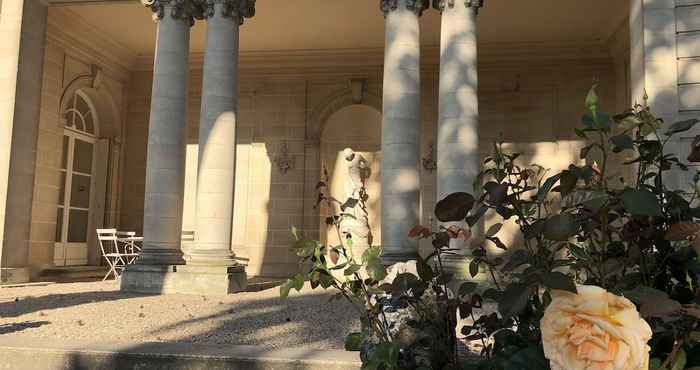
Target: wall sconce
point(282, 159)
point(429, 163)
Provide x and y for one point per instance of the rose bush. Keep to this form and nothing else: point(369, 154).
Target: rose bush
point(594, 330)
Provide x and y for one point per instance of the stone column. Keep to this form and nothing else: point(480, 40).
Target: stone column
point(217, 135)
point(23, 35)
point(165, 164)
point(458, 120)
point(400, 174)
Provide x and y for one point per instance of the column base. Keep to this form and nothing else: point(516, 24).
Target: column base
point(14, 275)
point(161, 257)
point(169, 279)
point(390, 259)
point(458, 265)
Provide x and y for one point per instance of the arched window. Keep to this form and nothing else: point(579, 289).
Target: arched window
point(77, 171)
point(80, 115)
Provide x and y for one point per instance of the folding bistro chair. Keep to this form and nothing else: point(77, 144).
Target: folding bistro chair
point(131, 249)
point(110, 251)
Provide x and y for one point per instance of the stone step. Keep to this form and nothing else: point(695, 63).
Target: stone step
point(71, 273)
point(22, 353)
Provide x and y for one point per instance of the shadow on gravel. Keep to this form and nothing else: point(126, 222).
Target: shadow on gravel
point(304, 319)
point(15, 327)
point(24, 305)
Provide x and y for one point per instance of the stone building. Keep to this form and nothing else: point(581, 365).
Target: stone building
point(219, 116)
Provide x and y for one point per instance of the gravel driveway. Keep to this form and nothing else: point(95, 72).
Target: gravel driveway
point(98, 311)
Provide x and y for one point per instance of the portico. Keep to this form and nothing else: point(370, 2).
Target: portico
point(225, 126)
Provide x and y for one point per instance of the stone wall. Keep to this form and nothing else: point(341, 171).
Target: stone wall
point(531, 103)
point(69, 65)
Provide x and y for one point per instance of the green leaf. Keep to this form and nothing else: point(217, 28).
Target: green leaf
point(353, 342)
point(514, 300)
point(655, 364)
point(424, 270)
point(493, 230)
point(592, 99)
point(599, 121)
point(405, 283)
point(295, 233)
point(467, 288)
point(284, 288)
point(305, 248)
point(531, 358)
point(560, 227)
point(474, 267)
point(298, 282)
point(547, 187)
point(622, 142)
point(370, 253)
point(517, 259)
point(497, 192)
point(682, 126)
point(640, 202)
point(475, 216)
point(584, 151)
point(375, 269)
point(454, 207)
point(352, 269)
point(558, 281)
point(680, 360)
point(627, 121)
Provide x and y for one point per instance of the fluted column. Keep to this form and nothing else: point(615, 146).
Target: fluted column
point(458, 121)
point(165, 166)
point(217, 132)
point(400, 174)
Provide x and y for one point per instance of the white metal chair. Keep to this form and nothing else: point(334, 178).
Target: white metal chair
point(117, 258)
point(131, 249)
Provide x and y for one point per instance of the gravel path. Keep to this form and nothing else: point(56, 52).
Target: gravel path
point(98, 311)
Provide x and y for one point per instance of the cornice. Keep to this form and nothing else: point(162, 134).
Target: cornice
point(79, 37)
point(372, 58)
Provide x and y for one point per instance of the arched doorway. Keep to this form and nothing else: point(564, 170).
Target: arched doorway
point(77, 185)
point(357, 127)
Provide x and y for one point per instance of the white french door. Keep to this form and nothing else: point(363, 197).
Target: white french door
point(74, 204)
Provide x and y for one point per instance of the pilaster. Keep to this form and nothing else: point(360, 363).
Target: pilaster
point(23, 35)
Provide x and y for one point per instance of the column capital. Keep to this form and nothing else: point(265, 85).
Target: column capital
point(442, 4)
point(231, 8)
point(417, 6)
point(186, 10)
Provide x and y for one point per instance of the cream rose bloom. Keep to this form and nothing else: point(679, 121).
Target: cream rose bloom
point(594, 330)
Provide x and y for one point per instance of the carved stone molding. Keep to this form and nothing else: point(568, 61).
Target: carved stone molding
point(417, 6)
point(178, 9)
point(282, 159)
point(232, 8)
point(442, 4)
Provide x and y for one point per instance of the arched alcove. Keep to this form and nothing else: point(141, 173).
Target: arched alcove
point(357, 127)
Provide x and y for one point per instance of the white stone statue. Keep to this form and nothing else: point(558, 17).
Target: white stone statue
point(357, 167)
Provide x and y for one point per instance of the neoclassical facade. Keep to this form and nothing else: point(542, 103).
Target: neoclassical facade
point(218, 118)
